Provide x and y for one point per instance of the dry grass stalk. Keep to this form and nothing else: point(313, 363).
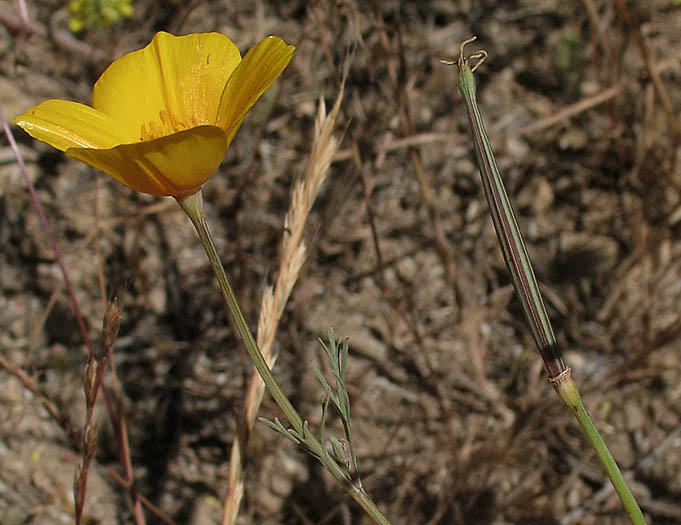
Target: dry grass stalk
point(92, 382)
point(570, 111)
point(635, 29)
point(89, 438)
point(52, 408)
point(274, 299)
point(65, 424)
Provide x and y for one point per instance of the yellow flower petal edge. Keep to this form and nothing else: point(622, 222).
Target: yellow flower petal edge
point(257, 71)
point(162, 117)
point(63, 124)
point(175, 165)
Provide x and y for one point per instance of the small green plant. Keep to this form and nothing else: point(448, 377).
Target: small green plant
point(569, 52)
point(88, 14)
point(338, 450)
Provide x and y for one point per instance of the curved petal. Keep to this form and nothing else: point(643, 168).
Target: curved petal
point(174, 165)
point(182, 76)
point(64, 124)
point(260, 67)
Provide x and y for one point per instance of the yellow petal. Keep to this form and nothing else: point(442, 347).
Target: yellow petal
point(256, 72)
point(182, 76)
point(63, 124)
point(174, 165)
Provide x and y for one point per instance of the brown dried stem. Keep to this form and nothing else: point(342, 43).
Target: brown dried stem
point(654, 73)
point(62, 39)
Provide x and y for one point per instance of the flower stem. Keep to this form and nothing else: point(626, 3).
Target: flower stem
point(567, 390)
point(193, 207)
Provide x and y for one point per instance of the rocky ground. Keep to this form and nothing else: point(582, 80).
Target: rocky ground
point(453, 419)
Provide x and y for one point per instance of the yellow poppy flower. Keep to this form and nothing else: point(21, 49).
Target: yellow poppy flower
point(163, 116)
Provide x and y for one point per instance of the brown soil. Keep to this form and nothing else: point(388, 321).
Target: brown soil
point(453, 418)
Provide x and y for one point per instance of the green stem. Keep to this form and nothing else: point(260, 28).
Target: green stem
point(525, 283)
point(193, 207)
point(567, 390)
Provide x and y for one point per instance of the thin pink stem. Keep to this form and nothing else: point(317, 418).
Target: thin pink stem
point(122, 449)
